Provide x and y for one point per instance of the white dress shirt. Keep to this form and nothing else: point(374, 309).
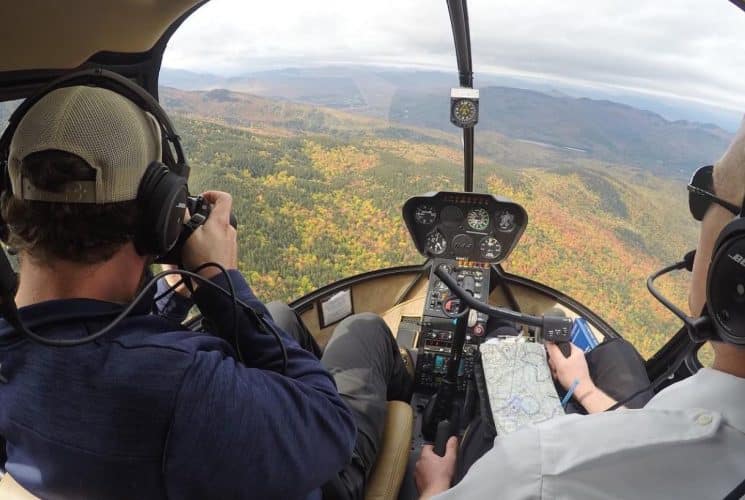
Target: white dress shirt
point(687, 443)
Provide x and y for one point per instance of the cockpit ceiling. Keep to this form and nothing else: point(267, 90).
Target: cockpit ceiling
point(63, 34)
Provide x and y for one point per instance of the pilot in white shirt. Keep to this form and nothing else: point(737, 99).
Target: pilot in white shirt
point(687, 442)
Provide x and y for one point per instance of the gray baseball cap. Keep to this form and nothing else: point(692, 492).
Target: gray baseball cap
point(111, 133)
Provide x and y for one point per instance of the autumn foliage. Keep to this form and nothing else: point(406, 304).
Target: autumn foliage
point(318, 206)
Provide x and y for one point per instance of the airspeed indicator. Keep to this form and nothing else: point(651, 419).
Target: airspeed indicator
point(478, 219)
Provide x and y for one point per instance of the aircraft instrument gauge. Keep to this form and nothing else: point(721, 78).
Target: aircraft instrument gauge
point(425, 214)
point(436, 243)
point(505, 221)
point(464, 107)
point(478, 219)
point(490, 247)
point(451, 215)
point(447, 269)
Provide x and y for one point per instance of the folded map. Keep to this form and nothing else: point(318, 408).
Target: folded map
point(519, 383)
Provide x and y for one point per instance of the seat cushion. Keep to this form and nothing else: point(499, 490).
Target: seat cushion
point(10, 490)
point(388, 472)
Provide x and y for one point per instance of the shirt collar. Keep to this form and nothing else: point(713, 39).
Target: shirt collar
point(59, 311)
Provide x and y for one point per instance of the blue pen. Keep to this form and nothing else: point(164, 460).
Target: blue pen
point(569, 393)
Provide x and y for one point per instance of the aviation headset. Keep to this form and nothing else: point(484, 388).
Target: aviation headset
point(725, 283)
point(161, 196)
point(163, 190)
point(723, 317)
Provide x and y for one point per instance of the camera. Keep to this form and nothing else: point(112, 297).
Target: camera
point(199, 210)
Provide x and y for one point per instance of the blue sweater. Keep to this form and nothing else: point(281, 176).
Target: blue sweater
point(154, 411)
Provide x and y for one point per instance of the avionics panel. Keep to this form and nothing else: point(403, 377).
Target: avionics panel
point(471, 226)
point(437, 327)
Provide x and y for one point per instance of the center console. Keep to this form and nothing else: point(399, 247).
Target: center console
point(463, 235)
point(435, 341)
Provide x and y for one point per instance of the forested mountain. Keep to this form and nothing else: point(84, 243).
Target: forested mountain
point(591, 128)
point(598, 129)
point(318, 194)
point(375, 85)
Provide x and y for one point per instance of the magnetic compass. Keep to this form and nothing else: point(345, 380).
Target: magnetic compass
point(464, 107)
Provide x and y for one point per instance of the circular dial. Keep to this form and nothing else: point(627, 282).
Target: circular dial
point(462, 245)
point(478, 219)
point(436, 243)
point(447, 269)
point(490, 247)
point(464, 111)
point(505, 221)
point(425, 214)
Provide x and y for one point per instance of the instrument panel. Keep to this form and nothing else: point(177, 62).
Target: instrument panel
point(473, 226)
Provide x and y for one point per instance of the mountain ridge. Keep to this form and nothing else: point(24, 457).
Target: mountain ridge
point(568, 129)
point(603, 129)
point(670, 107)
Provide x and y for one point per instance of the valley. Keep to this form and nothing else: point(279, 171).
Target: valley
point(318, 194)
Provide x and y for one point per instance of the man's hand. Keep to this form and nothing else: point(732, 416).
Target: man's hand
point(176, 280)
point(434, 473)
point(574, 368)
point(215, 240)
point(567, 370)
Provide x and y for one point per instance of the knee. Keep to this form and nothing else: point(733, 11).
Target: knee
point(283, 316)
point(366, 321)
point(365, 326)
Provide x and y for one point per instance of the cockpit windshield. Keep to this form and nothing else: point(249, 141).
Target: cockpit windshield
point(323, 118)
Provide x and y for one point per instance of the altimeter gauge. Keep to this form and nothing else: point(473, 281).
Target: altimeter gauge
point(436, 243)
point(425, 214)
point(478, 219)
point(490, 248)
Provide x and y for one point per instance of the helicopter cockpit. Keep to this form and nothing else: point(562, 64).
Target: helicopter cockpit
point(471, 332)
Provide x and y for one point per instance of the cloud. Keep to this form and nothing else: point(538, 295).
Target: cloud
point(687, 48)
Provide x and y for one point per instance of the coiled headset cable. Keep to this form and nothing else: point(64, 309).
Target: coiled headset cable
point(9, 309)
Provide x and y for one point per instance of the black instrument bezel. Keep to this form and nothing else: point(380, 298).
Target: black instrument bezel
point(465, 202)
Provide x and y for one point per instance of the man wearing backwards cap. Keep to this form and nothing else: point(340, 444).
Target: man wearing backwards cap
point(687, 442)
point(150, 410)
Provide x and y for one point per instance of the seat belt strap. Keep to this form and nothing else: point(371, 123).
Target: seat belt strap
point(737, 493)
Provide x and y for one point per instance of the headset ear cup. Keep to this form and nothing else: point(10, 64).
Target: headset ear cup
point(162, 200)
point(725, 283)
point(5, 192)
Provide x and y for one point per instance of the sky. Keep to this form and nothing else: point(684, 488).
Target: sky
point(693, 49)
